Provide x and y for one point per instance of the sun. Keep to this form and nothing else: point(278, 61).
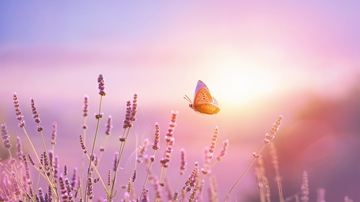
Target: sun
point(237, 83)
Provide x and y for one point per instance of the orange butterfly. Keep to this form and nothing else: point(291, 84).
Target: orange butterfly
point(203, 101)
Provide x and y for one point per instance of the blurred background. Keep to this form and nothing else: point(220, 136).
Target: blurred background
point(259, 60)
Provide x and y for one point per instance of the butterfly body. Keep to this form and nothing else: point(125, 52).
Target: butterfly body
point(203, 101)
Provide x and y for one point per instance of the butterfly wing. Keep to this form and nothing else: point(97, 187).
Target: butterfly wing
point(207, 108)
point(203, 101)
point(214, 102)
point(200, 85)
point(202, 96)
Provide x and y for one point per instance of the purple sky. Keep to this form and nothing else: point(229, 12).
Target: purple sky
point(296, 41)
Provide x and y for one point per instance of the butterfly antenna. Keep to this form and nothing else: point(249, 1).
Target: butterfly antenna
point(187, 98)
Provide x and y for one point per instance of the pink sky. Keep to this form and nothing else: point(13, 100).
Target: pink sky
point(289, 44)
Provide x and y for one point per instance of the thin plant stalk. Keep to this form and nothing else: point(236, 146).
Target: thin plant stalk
point(245, 171)
point(277, 170)
point(98, 116)
point(268, 138)
point(53, 187)
point(84, 127)
point(121, 149)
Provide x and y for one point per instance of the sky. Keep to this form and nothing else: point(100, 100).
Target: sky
point(245, 49)
point(259, 60)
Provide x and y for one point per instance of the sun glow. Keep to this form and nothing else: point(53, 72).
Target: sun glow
point(238, 83)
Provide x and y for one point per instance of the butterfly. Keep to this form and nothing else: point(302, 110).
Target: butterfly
point(203, 101)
